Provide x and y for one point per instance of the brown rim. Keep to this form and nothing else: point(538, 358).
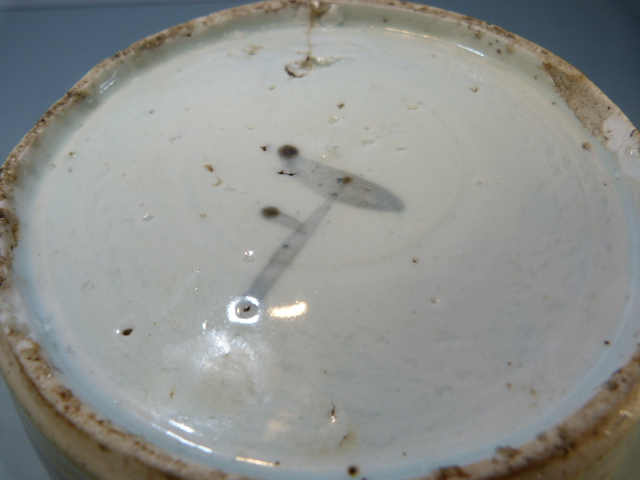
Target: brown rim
point(95, 444)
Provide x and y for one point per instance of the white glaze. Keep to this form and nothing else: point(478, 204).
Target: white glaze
point(398, 341)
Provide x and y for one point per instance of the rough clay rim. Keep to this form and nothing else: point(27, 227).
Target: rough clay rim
point(562, 452)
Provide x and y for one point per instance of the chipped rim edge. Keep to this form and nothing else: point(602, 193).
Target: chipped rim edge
point(97, 445)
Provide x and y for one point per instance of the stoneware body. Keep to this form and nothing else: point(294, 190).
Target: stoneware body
point(326, 240)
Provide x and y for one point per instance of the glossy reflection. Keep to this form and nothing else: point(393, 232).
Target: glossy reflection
point(288, 312)
point(181, 426)
point(257, 462)
point(184, 441)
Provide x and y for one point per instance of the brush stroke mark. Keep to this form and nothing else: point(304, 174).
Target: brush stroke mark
point(336, 186)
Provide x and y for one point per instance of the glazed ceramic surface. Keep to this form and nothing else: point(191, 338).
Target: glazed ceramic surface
point(319, 242)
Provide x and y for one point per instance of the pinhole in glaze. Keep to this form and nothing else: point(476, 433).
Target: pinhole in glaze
point(330, 240)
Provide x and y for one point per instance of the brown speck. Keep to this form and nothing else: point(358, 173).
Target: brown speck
point(208, 167)
point(345, 438)
point(478, 34)
point(341, 105)
point(270, 212)
point(127, 331)
point(414, 260)
point(353, 470)
point(291, 73)
point(453, 471)
point(507, 452)
point(218, 182)
point(567, 443)
point(509, 385)
point(533, 391)
point(282, 172)
point(253, 49)
point(607, 342)
point(404, 454)
point(587, 146)
point(510, 49)
point(288, 152)
point(264, 148)
point(473, 89)
point(318, 11)
point(202, 215)
point(64, 394)
point(277, 463)
point(499, 50)
point(71, 154)
point(509, 363)
point(347, 180)
point(78, 94)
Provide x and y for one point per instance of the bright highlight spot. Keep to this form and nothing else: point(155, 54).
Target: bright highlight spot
point(257, 462)
point(288, 311)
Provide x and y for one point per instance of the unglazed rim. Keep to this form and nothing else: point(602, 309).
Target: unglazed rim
point(96, 445)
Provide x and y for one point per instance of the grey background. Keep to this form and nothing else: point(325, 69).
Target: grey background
point(47, 45)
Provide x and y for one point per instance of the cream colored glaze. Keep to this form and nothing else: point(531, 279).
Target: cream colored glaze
point(399, 341)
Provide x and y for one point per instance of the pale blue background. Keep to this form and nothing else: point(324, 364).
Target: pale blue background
point(47, 45)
